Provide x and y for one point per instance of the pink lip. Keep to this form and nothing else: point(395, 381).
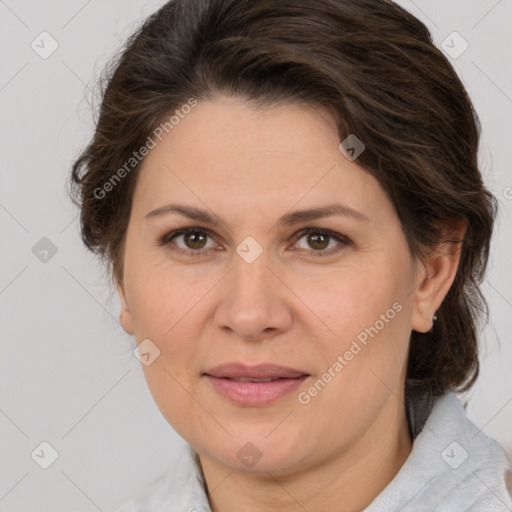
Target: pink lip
point(255, 393)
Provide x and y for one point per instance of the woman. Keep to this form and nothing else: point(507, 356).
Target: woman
point(288, 197)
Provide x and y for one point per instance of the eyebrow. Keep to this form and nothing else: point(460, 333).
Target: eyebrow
point(288, 219)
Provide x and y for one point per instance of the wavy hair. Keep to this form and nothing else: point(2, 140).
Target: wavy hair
point(370, 62)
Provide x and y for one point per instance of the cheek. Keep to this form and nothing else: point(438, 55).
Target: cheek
point(166, 308)
point(161, 299)
point(365, 320)
point(350, 301)
point(163, 307)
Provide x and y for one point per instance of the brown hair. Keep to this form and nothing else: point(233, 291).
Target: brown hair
point(375, 67)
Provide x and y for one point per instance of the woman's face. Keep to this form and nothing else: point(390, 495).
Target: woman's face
point(251, 286)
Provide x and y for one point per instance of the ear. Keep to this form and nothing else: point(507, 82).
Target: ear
point(125, 316)
point(436, 274)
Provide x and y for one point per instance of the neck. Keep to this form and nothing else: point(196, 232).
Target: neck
point(348, 482)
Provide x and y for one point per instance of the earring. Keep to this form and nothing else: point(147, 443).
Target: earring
point(434, 318)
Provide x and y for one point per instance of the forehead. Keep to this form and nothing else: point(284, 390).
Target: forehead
point(230, 155)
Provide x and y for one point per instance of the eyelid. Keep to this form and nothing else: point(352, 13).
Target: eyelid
point(341, 239)
point(166, 240)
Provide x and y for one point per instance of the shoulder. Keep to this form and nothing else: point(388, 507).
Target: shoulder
point(453, 466)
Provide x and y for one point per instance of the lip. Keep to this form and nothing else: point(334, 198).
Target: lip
point(259, 371)
point(255, 393)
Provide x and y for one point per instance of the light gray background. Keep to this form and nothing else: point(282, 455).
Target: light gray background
point(67, 374)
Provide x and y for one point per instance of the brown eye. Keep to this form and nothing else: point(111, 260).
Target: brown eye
point(318, 241)
point(191, 240)
point(321, 242)
point(195, 239)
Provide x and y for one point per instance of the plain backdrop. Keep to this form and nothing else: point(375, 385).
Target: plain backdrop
point(68, 376)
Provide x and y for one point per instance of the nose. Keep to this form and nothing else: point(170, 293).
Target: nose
point(254, 301)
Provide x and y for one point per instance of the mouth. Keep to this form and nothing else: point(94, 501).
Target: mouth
point(250, 379)
point(260, 372)
point(254, 385)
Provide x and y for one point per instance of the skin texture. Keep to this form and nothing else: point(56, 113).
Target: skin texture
point(249, 166)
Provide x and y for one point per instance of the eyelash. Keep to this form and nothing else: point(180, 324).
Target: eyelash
point(343, 240)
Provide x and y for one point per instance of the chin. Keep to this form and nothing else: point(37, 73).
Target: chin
point(256, 452)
